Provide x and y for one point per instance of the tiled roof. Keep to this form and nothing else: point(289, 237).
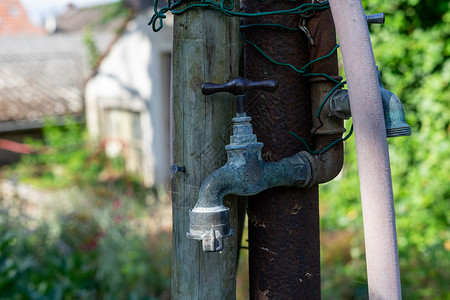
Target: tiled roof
point(14, 20)
point(74, 20)
point(142, 5)
point(41, 76)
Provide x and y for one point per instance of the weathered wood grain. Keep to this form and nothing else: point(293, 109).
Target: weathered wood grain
point(206, 49)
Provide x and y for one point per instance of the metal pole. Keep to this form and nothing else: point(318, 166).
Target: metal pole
point(206, 49)
point(371, 148)
point(284, 247)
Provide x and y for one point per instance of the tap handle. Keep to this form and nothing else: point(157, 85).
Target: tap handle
point(239, 86)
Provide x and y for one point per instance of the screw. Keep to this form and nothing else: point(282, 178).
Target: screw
point(174, 169)
point(375, 19)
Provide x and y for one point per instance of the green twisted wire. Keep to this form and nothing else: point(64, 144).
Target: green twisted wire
point(226, 7)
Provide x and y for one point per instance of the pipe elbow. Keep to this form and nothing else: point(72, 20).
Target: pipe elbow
point(329, 164)
point(394, 115)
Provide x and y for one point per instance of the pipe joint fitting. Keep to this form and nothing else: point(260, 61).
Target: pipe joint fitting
point(210, 225)
point(300, 169)
point(394, 115)
point(340, 105)
point(244, 174)
point(310, 161)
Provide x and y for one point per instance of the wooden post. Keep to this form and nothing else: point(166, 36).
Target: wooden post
point(206, 49)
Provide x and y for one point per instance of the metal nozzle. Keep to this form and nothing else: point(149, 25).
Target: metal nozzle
point(210, 225)
point(375, 19)
point(394, 115)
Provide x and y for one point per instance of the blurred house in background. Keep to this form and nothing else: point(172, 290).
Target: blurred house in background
point(42, 73)
point(41, 76)
point(14, 20)
point(118, 68)
point(127, 100)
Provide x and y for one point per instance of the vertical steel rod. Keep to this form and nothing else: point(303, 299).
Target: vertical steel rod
point(371, 148)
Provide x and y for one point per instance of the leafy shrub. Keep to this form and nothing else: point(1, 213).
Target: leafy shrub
point(90, 252)
point(99, 240)
point(66, 157)
point(412, 51)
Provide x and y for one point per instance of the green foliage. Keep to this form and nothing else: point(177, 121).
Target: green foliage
point(97, 241)
point(109, 13)
point(66, 157)
point(100, 249)
point(412, 51)
point(91, 47)
point(115, 10)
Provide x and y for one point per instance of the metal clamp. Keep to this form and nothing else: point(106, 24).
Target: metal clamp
point(239, 86)
point(302, 26)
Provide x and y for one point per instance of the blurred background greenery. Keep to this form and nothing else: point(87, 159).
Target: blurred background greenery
point(412, 50)
point(98, 243)
point(81, 227)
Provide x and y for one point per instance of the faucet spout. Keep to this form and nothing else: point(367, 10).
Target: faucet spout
point(252, 177)
point(244, 174)
point(215, 187)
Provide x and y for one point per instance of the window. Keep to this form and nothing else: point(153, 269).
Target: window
point(125, 126)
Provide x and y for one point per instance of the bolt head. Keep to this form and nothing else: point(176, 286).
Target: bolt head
point(174, 169)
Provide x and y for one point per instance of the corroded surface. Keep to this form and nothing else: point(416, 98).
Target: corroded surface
point(283, 222)
point(284, 244)
point(274, 114)
point(322, 31)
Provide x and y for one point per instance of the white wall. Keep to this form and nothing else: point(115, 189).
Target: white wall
point(134, 77)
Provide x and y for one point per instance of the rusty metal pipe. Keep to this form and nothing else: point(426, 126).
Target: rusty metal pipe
point(284, 244)
point(371, 147)
point(328, 164)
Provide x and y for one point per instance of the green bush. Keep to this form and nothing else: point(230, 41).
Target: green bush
point(64, 157)
point(96, 250)
point(412, 51)
point(97, 240)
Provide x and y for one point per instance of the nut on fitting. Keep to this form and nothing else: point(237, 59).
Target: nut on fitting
point(310, 161)
point(340, 105)
point(210, 225)
point(301, 168)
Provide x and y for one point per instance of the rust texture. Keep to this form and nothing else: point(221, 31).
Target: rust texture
point(284, 245)
point(321, 27)
point(322, 30)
